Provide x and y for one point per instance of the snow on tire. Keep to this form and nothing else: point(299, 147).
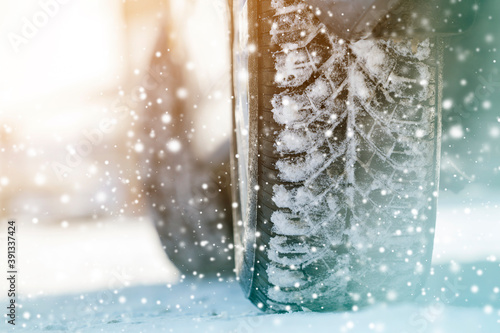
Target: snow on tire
point(348, 164)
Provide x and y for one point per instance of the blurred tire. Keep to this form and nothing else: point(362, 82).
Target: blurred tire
point(189, 197)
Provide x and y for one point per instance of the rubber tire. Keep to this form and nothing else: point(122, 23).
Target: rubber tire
point(345, 217)
point(189, 198)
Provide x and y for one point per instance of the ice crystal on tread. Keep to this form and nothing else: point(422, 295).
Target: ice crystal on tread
point(358, 144)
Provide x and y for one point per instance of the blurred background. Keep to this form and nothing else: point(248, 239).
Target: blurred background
point(71, 86)
point(471, 109)
point(73, 80)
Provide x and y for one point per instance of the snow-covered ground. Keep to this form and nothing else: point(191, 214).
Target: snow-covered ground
point(112, 276)
point(211, 306)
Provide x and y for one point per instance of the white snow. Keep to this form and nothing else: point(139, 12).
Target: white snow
point(296, 171)
point(293, 68)
point(283, 277)
point(287, 109)
point(284, 225)
point(297, 141)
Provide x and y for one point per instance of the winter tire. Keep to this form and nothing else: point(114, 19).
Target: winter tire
point(336, 159)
